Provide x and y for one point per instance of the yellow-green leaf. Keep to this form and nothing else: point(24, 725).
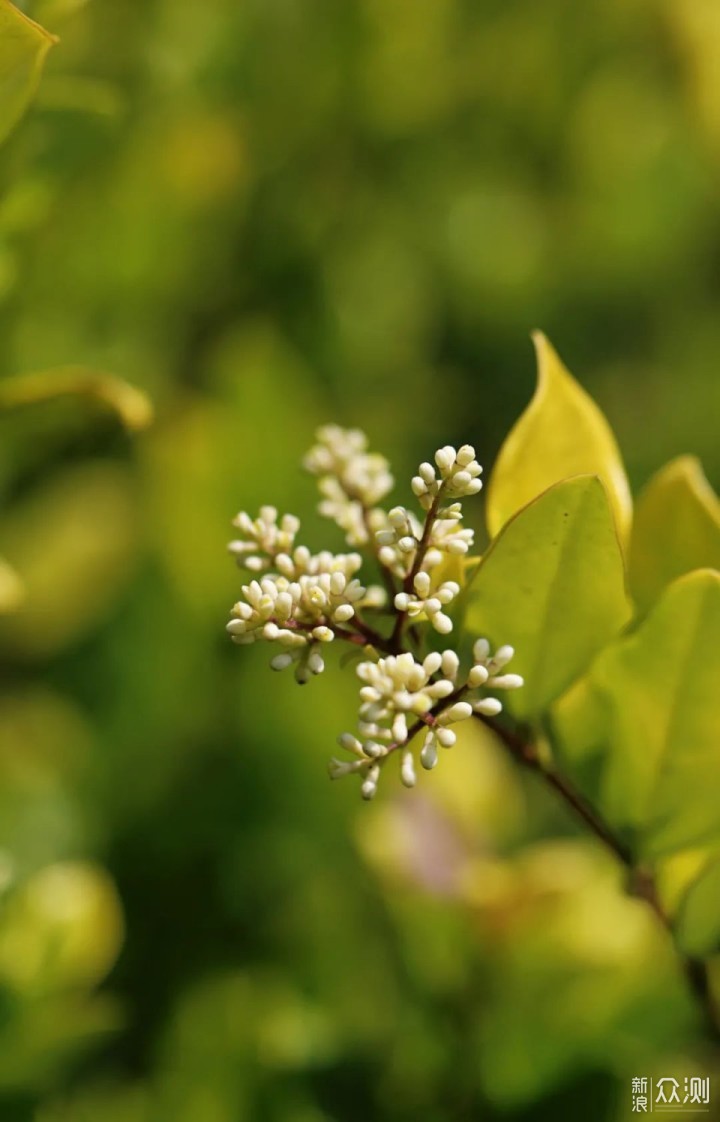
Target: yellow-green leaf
point(676, 529)
point(662, 686)
point(697, 924)
point(23, 46)
point(75, 543)
point(580, 732)
point(132, 406)
point(12, 592)
point(552, 585)
point(561, 433)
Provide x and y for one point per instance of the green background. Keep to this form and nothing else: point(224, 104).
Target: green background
point(270, 215)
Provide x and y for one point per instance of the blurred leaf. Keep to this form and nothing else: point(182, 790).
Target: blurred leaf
point(84, 95)
point(552, 585)
point(561, 433)
point(132, 406)
point(574, 943)
point(74, 542)
point(62, 929)
point(42, 1038)
point(661, 687)
point(676, 529)
point(53, 12)
point(46, 744)
point(23, 46)
point(697, 924)
point(12, 592)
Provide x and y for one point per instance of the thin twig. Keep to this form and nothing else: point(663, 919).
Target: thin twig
point(396, 638)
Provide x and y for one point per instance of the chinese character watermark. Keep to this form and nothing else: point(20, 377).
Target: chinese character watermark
point(668, 1094)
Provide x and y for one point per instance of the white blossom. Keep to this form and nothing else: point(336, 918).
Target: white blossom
point(429, 601)
point(351, 480)
point(393, 689)
point(299, 600)
point(458, 471)
point(263, 538)
point(299, 614)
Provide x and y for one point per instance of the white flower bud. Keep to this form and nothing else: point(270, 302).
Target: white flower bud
point(399, 728)
point(428, 754)
point(502, 656)
point(478, 676)
point(350, 743)
point(369, 787)
point(489, 706)
point(407, 770)
point(421, 584)
point(506, 682)
point(444, 457)
point(460, 711)
point(432, 663)
point(450, 664)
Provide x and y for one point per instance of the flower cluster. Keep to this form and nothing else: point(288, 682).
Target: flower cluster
point(351, 480)
point(300, 613)
point(301, 600)
point(396, 687)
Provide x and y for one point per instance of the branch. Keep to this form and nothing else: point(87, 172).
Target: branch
point(396, 637)
point(641, 881)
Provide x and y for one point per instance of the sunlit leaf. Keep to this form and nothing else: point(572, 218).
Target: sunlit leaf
point(23, 46)
point(131, 405)
point(552, 585)
point(12, 592)
point(561, 433)
point(74, 542)
point(661, 687)
point(676, 529)
point(697, 925)
point(579, 724)
point(64, 927)
point(574, 941)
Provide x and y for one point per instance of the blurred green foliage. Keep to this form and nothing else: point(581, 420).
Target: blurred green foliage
point(269, 215)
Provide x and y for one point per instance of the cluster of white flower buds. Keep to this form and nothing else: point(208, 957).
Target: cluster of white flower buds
point(459, 475)
point(301, 600)
point(427, 601)
point(351, 480)
point(305, 603)
point(398, 686)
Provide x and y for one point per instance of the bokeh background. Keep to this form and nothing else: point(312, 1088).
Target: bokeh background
point(268, 215)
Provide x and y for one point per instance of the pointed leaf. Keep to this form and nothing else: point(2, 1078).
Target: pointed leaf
point(697, 925)
point(23, 46)
point(552, 585)
point(661, 685)
point(561, 433)
point(676, 529)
